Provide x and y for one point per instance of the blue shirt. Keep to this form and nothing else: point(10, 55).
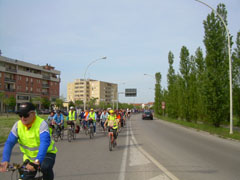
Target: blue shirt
point(58, 118)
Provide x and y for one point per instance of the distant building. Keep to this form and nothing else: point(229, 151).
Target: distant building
point(26, 81)
point(102, 91)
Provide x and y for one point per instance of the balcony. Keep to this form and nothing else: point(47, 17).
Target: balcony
point(11, 70)
point(45, 85)
point(45, 93)
point(10, 90)
point(9, 79)
point(46, 77)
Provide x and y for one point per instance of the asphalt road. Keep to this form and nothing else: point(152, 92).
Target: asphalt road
point(146, 150)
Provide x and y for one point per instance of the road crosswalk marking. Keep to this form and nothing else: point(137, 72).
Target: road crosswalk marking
point(136, 157)
point(160, 177)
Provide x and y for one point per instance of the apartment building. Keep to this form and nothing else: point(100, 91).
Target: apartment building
point(102, 91)
point(26, 81)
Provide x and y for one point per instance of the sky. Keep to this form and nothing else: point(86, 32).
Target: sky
point(135, 36)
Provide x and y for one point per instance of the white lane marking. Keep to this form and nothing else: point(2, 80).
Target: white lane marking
point(124, 158)
point(154, 161)
point(160, 177)
point(136, 157)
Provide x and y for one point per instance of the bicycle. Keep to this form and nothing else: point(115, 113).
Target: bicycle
point(90, 130)
point(58, 133)
point(21, 168)
point(112, 141)
point(103, 128)
point(71, 131)
point(84, 127)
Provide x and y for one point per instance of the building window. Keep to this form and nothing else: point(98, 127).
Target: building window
point(26, 79)
point(22, 97)
point(31, 80)
point(26, 88)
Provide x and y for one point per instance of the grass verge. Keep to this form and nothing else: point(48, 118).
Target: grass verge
point(221, 131)
point(6, 124)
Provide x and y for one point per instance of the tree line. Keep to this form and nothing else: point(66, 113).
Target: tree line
point(200, 90)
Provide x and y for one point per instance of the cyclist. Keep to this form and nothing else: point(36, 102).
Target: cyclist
point(72, 117)
point(103, 117)
point(50, 121)
point(112, 122)
point(58, 120)
point(32, 134)
point(85, 120)
point(92, 119)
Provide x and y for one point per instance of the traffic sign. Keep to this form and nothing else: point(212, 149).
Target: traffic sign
point(130, 92)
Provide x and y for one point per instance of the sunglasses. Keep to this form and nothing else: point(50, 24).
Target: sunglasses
point(24, 115)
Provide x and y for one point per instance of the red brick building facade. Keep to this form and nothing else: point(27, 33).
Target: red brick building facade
point(26, 81)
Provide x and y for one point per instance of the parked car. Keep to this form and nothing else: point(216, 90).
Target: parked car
point(44, 111)
point(147, 115)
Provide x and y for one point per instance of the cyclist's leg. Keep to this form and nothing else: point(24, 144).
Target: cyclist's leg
point(115, 133)
point(47, 166)
point(94, 126)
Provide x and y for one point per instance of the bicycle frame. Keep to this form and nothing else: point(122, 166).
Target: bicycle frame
point(21, 169)
point(71, 132)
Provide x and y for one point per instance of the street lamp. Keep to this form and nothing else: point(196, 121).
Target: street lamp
point(149, 75)
point(85, 96)
point(230, 62)
point(119, 93)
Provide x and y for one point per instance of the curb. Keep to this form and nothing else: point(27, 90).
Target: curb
point(198, 130)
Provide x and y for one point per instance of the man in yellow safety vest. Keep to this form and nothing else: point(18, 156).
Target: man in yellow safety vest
point(72, 117)
point(112, 122)
point(92, 116)
point(32, 134)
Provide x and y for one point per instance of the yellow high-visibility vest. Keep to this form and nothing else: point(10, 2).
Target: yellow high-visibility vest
point(71, 116)
point(29, 140)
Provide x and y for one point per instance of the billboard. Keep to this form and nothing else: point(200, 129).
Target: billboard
point(130, 92)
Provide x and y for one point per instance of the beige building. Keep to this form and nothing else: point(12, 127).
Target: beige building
point(102, 91)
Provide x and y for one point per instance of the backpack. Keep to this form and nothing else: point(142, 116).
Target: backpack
point(77, 129)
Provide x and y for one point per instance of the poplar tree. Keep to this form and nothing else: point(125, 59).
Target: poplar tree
point(236, 79)
point(157, 102)
point(200, 78)
point(193, 90)
point(185, 84)
point(171, 95)
point(217, 79)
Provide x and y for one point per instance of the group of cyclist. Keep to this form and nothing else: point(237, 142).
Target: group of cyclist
point(34, 135)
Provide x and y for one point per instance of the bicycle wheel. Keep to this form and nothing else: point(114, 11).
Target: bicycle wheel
point(74, 134)
point(69, 135)
point(110, 143)
point(91, 132)
point(62, 134)
point(86, 131)
point(55, 136)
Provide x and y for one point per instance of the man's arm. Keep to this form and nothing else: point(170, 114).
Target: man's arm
point(11, 141)
point(45, 141)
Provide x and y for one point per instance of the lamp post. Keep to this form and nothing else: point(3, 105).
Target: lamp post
point(119, 93)
point(230, 62)
point(85, 96)
point(149, 75)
